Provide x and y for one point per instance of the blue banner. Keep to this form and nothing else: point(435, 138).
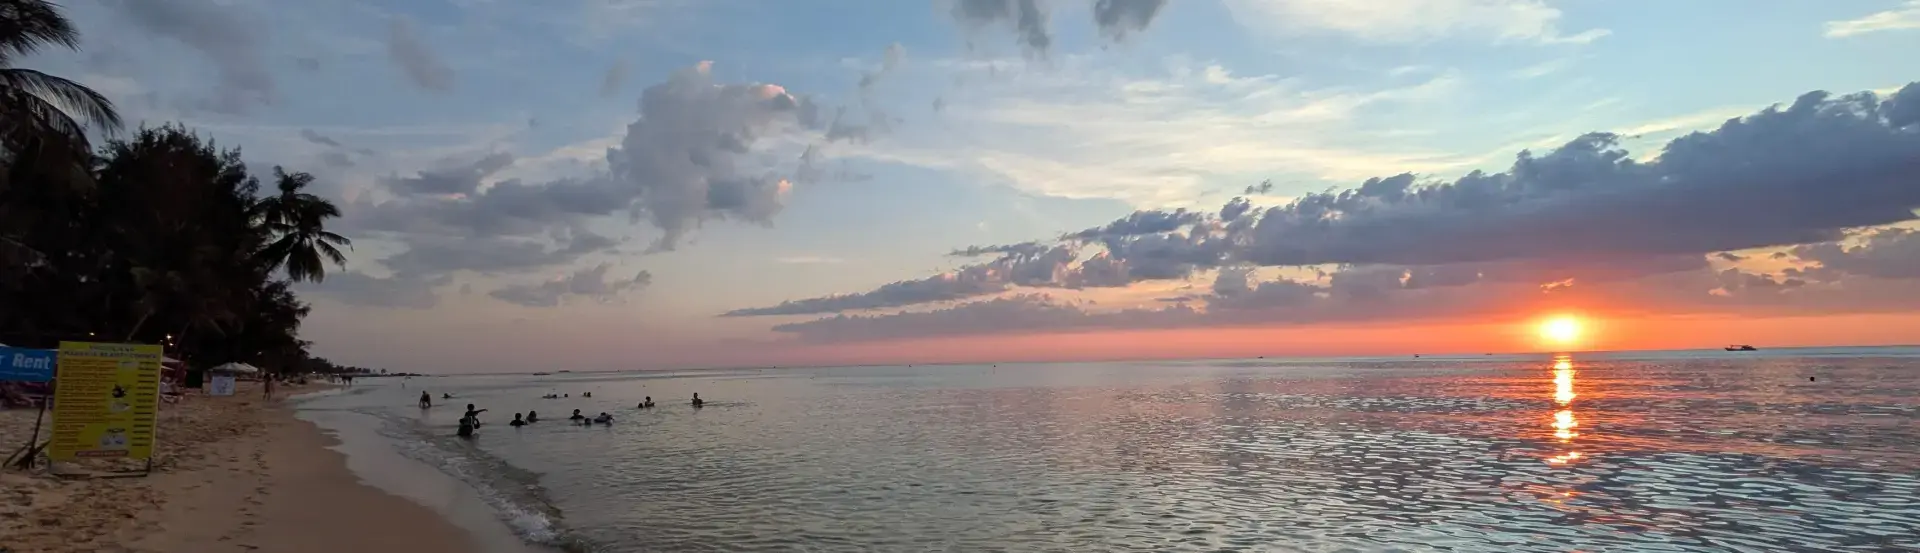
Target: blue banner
point(26, 365)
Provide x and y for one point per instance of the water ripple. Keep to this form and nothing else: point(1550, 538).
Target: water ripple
point(1665, 455)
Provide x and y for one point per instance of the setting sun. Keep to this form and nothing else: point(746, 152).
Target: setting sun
point(1560, 330)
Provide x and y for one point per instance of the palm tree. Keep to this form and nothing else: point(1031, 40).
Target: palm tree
point(35, 105)
point(40, 140)
point(297, 221)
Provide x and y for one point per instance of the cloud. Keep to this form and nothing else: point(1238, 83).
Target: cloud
point(1407, 21)
point(1000, 315)
point(1791, 175)
point(590, 283)
point(217, 32)
point(421, 66)
point(686, 159)
point(1885, 253)
point(890, 61)
point(439, 255)
point(317, 138)
point(692, 156)
point(1031, 268)
point(336, 159)
point(1904, 18)
point(460, 178)
point(1027, 18)
point(1582, 217)
point(1542, 69)
point(615, 78)
point(1023, 248)
point(1141, 222)
point(1118, 18)
point(361, 289)
point(808, 260)
point(1080, 131)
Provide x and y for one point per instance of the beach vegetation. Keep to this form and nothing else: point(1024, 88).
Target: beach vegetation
point(154, 236)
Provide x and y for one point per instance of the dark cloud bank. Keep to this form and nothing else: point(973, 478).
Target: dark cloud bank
point(1585, 223)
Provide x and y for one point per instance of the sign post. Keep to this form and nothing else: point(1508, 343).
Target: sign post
point(106, 402)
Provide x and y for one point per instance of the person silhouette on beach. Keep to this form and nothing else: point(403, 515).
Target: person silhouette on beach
point(426, 401)
point(696, 400)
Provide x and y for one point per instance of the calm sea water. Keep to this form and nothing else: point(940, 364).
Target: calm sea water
point(1675, 451)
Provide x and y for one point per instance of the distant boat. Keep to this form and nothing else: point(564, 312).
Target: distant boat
point(1741, 347)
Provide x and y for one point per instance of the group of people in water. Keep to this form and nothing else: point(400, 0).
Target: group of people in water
point(470, 421)
point(648, 402)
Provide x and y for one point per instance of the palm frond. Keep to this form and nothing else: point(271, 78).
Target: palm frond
point(331, 253)
point(72, 96)
point(26, 26)
point(25, 116)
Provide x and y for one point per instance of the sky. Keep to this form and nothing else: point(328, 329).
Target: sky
point(638, 184)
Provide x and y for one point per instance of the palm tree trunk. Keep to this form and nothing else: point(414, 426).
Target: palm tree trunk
point(137, 324)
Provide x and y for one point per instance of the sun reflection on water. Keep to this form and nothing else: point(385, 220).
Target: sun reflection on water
point(1564, 421)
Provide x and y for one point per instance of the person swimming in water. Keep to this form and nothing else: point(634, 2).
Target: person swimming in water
point(576, 416)
point(533, 417)
point(647, 403)
point(426, 401)
point(516, 421)
point(604, 419)
point(446, 396)
point(473, 415)
point(696, 400)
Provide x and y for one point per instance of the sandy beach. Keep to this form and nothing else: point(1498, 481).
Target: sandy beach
point(231, 474)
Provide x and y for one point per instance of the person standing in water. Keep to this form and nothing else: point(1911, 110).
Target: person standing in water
point(533, 417)
point(426, 400)
point(696, 400)
point(516, 421)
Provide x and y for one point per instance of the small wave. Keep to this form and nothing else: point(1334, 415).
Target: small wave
point(513, 493)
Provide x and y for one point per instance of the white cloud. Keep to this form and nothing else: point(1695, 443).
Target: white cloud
point(1542, 69)
point(1079, 132)
point(1399, 21)
point(1906, 17)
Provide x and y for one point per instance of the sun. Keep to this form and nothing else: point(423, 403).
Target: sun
point(1562, 330)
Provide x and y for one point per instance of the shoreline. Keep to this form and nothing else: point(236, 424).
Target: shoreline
point(231, 474)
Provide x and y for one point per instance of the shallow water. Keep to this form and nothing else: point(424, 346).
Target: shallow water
point(1694, 451)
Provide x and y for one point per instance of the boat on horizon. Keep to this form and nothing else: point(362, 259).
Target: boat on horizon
point(1741, 347)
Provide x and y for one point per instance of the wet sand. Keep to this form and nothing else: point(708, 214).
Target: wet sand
point(231, 475)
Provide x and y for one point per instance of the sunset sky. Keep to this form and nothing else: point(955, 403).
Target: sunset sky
point(624, 184)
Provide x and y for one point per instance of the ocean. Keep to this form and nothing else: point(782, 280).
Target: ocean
point(1775, 450)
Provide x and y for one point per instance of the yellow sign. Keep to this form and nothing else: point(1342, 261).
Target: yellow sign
point(104, 400)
